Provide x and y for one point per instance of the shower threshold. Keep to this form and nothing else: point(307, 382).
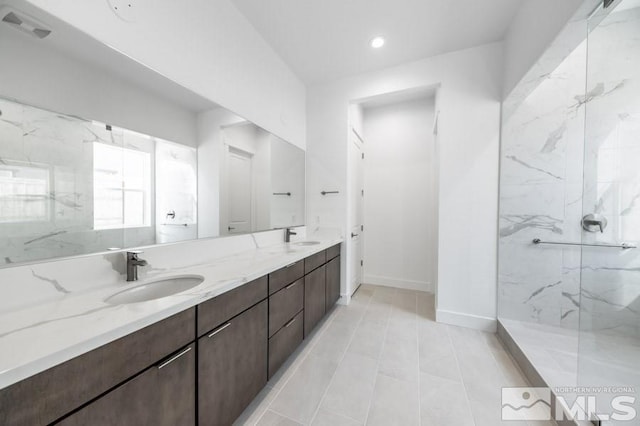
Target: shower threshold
point(563, 359)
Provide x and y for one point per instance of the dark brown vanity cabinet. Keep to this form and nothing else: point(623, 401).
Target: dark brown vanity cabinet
point(314, 298)
point(162, 395)
point(90, 378)
point(284, 305)
point(286, 302)
point(201, 366)
point(333, 281)
point(232, 366)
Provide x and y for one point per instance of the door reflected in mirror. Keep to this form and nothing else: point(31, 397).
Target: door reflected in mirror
point(263, 181)
point(101, 152)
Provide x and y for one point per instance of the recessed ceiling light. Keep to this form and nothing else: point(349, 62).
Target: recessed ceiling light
point(377, 42)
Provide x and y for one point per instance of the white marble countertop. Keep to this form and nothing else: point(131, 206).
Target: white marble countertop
point(40, 337)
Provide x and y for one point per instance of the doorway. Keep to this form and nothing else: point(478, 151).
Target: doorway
point(393, 192)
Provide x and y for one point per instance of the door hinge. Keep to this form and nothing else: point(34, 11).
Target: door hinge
point(362, 263)
point(362, 227)
point(362, 192)
point(363, 155)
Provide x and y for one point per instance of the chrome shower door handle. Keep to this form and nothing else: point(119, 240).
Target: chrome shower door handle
point(594, 222)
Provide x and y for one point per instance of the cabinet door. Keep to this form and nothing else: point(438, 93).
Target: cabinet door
point(232, 366)
point(314, 298)
point(162, 395)
point(333, 282)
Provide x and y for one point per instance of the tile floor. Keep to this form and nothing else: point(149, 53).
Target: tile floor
point(383, 360)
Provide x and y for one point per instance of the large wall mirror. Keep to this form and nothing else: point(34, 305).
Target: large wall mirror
point(98, 152)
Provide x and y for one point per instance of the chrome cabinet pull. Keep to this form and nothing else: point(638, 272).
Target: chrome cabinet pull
point(290, 322)
point(291, 285)
point(170, 360)
point(219, 329)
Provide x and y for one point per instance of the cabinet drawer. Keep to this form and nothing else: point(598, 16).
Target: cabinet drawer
point(314, 261)
point(285, 276)
point(285, 304)
point(333, 252)
point(47, 396)
point(164, 394)
point(284, 342)
point(214, 312)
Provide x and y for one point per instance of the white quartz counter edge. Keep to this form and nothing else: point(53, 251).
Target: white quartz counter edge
point(35, 339)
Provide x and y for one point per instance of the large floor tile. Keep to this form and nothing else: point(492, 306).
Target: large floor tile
point(273, 419)
point(301, 395)
point(368, 340)
point(352, 387)
point(257, 408)
point(333, 343)
point(437, 356)
point(400, 357)
point(395, 403)
point(383, 360)
point(443, 402)
point(327, 418)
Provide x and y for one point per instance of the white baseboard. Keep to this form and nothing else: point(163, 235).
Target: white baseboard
point(467, 320)
point(398, 283)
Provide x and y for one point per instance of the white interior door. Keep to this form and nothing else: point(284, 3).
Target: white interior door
point(356, 172)
point(239, 191)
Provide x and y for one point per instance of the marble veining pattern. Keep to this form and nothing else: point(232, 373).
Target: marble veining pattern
point(568, 151)
point(56, 152)
point(56, 310)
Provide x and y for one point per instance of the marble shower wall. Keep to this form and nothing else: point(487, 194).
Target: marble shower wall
point(572, 147)
point(541, 197)
point(611, 278)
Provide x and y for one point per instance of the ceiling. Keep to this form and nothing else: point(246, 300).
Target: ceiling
point(323, 40)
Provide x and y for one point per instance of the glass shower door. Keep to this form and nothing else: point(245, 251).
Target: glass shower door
point(609, 303)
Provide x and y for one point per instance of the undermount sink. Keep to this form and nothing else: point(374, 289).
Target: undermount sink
point(307, 243)
point(155, 290)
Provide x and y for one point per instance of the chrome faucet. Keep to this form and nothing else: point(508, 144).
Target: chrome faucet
point(132, 265)
point(287, 235)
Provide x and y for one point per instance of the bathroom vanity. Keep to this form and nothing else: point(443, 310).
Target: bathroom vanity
point(202, 365)
point(100, 157)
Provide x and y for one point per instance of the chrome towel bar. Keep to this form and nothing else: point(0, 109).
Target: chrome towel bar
point(623, 246)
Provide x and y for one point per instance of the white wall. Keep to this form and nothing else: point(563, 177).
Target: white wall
point(469, 104)
point(400, 203)
point(207, 46)
point(532, 30)
point(49, 79)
